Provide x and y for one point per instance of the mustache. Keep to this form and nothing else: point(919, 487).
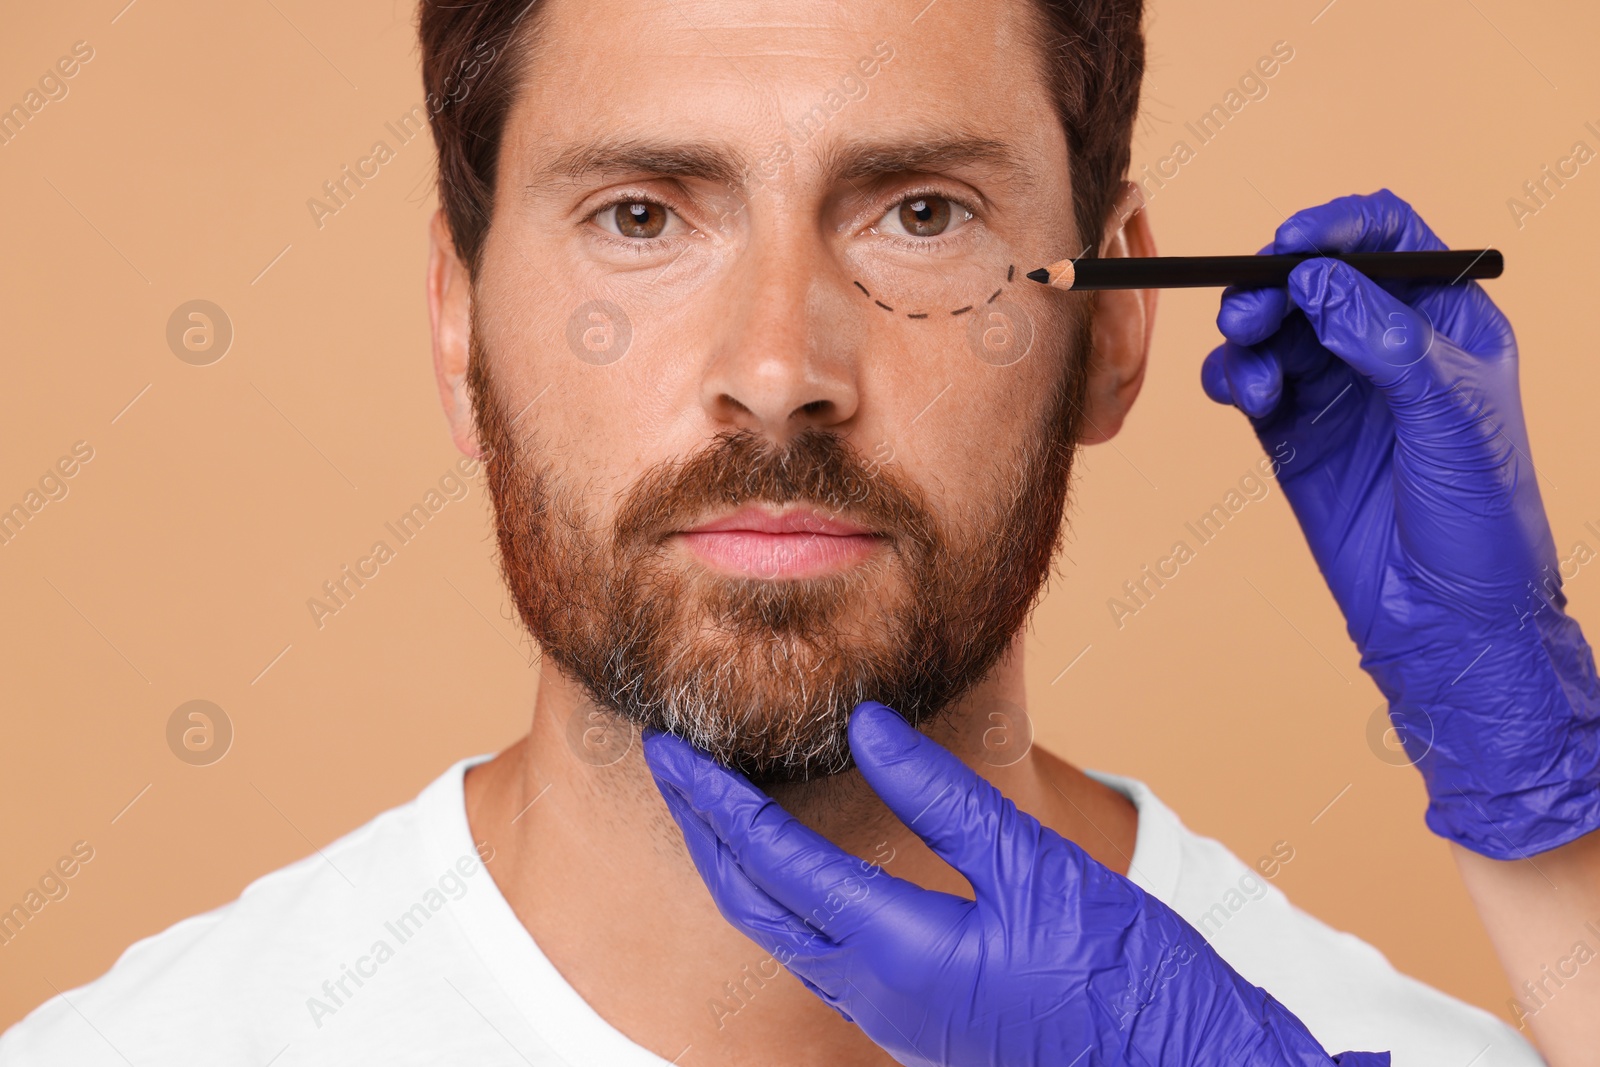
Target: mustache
point(741, 467)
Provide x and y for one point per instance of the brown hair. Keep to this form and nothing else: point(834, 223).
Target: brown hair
point(1093, 52)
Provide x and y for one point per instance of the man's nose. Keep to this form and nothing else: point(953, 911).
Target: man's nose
point(785, 356)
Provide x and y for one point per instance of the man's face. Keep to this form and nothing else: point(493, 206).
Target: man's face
point(775, 422)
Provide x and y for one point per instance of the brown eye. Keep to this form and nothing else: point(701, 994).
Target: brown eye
point(925, 216)
point(639, 218)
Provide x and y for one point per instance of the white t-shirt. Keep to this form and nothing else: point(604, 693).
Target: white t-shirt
point(393, 945)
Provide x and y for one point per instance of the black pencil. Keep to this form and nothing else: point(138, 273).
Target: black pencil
point(1184, 272)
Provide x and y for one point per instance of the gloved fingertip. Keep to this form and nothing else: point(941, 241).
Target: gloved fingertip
point(1235, 319)
point(655, 746)
point(1293, 238)
point(1339, 302)
point(1258, 394)
point(670, 759)
point(1334, 225)
point(1250, 316)
point(879, 732)
point(1312, 282)
point(1265, 404)
point(1214, 378)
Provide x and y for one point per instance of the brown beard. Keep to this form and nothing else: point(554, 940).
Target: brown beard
point(763, 674)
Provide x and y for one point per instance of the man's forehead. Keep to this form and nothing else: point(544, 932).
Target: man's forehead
point(731, 59)
point(775, 30)
point(712, 89)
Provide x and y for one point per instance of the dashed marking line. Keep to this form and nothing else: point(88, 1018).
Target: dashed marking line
point(1011, 271)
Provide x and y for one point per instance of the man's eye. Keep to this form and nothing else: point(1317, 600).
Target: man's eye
point(925, 216)
point(641, 219)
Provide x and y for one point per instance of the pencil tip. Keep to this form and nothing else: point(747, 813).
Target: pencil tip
point(1040, 275)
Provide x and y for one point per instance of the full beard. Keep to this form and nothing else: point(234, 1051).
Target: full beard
point(763, 673)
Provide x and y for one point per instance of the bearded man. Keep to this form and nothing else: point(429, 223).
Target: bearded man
point(779, 438)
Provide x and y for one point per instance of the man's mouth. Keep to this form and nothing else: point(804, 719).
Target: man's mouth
point(791, 542)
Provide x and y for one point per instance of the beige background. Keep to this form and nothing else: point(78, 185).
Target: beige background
point(179, 564)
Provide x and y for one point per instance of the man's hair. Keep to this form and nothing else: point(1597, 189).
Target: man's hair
point(473, 56)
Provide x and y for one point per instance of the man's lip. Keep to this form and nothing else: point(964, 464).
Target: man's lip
point(789, 521)
point(792, 543)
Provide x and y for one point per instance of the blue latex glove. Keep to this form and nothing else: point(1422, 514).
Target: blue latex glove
point(1058, 957)
point(1411, 477)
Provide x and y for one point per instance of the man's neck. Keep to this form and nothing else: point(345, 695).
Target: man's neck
point(593, 865)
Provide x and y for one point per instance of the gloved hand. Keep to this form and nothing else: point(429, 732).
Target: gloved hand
point(1057, 957)
point(1412, 479)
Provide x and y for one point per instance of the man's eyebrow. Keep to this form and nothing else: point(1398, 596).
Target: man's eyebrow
point(849, 161)
point(854, 160)
point(627, 155)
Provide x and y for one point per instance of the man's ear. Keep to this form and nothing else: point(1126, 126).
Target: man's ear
point(450, 317)
point(1123, 319)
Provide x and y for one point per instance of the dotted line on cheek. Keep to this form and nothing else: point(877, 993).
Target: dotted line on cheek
point(1011, 271)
